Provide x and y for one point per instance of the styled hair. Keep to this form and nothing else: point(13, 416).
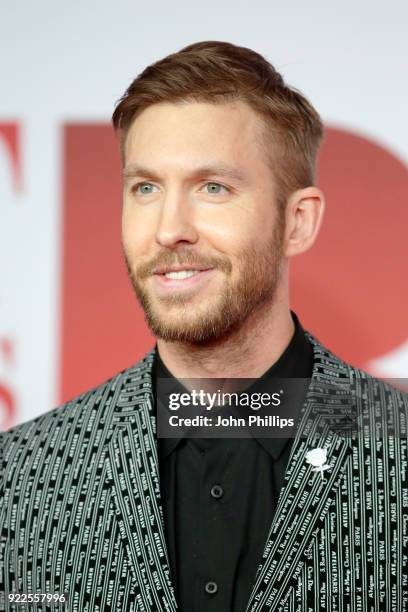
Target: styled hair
point(217, 72)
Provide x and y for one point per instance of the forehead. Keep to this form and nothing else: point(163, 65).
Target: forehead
point(195, 129)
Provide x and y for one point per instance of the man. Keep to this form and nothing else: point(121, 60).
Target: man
point(219, 163)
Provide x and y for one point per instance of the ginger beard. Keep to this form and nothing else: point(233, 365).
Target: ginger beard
point(178, 317)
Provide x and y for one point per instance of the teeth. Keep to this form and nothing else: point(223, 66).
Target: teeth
point(181, 274)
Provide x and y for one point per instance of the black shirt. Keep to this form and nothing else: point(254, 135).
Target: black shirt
point(219, 497)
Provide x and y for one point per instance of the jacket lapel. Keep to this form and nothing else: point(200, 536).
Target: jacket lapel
point(133, 469)
point(305, 497)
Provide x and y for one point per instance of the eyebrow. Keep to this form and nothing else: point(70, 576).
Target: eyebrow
point(221, 170)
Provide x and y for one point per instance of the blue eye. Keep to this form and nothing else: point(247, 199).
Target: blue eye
point(144, 188)
point(214, 188)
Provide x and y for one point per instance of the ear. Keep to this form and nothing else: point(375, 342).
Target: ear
point(304, 214)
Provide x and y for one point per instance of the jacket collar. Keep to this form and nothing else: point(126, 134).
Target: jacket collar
point(133, 472)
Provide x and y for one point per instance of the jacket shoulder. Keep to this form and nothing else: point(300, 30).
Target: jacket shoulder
point(380, 401)
point(90, 410)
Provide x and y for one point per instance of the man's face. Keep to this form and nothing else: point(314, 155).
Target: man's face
point(201, 233)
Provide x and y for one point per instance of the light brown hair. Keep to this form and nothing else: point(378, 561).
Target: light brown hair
point(216, 72)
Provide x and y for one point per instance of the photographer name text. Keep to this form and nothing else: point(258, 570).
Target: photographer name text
point(230, 421)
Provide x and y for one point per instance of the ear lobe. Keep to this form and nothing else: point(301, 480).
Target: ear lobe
point(304, 215)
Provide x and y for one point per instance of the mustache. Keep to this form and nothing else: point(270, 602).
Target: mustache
point(179, 258)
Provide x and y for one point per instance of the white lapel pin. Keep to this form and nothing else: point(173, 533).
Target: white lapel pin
point(317, 457)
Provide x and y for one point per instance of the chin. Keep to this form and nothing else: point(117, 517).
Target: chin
point(195, 329)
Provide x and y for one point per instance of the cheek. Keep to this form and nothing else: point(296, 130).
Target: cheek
point(230, 231)
point(137, 232)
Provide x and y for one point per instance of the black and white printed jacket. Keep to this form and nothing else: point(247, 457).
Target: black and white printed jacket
point(81, 511)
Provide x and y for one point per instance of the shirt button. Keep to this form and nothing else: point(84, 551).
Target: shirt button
point(217, 491)
point(211, 587)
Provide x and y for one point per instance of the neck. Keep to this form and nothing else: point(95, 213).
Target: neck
point(247, 352)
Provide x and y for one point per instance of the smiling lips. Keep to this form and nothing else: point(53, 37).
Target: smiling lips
point(181, 274)
point(180, 277)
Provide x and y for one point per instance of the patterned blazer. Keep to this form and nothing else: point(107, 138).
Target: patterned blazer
point(81, 511)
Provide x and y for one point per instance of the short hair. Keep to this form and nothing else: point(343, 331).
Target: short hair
point(217, 72)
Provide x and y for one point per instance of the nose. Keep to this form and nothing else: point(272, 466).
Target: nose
point(176, 221)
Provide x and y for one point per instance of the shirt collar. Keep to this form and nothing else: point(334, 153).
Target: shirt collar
point(296, 361)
